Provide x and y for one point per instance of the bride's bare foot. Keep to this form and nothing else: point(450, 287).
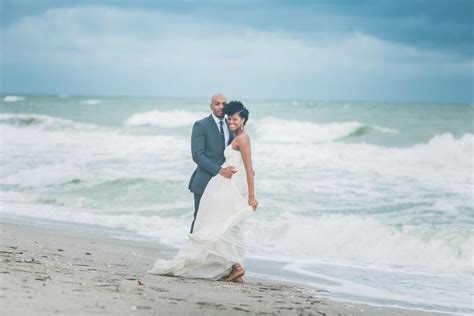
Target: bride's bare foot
point(236, 274)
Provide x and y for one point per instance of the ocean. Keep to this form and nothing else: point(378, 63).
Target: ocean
point(369, 201)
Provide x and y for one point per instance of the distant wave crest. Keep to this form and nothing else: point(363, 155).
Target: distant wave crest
point(91, 102)
point(292, 131)
point(43, 122)
point(13, 98)
point(175, 118)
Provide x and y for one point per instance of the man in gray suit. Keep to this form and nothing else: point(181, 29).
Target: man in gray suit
point(209, 138)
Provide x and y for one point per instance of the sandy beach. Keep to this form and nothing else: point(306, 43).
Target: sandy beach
point(52, 271)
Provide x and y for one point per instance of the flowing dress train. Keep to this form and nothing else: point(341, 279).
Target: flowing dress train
point(217, 241)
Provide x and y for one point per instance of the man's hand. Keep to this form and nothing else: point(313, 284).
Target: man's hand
point(227, 172)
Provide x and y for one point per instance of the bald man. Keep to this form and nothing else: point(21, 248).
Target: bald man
point(209, 138)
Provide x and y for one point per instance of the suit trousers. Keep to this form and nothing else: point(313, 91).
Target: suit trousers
point(197, 200)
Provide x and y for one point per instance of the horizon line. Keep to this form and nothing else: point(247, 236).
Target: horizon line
point(294, 99)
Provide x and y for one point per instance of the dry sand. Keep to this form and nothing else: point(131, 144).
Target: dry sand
point(51, 271)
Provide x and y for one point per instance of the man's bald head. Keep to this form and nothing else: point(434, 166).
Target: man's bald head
point(217, 96)
point(218, 101)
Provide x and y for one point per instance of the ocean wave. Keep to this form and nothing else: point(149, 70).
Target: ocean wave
point(446, 149)
point(352, 238)
point(360, 174)
point(386, 129)
point(367, 129)
point(343, 239)
point(290, 131)
point(44, 122)
point(83, 205)
point(54, 158)
point(43, 176)
point(170, 230)
point(91, 101)
point(13, 98)
point(174, 118)
point(441, 151)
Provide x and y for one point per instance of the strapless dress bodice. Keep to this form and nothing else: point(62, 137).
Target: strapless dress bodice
point(234, 158)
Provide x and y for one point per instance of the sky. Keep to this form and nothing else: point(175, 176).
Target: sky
point(381, 50)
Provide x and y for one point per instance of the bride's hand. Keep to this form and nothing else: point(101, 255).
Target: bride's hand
point(253, 202)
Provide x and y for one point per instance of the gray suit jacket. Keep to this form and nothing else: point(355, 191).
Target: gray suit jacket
point(207, 150)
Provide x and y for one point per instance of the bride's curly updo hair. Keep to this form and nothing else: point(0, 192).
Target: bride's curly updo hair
point(233, 107)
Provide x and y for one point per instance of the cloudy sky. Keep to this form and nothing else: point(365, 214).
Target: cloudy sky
point(405, 50)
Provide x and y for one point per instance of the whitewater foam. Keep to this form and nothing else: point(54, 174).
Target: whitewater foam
point(386, 129)
point(351, 238)
point(278, 130)
point(45, 122)
point(13, 98)
point(170, 230)
point(444, 162)
point(91, 101)
point(56, 151)
point(288, 131)
point(348, 239)
point(174, 118)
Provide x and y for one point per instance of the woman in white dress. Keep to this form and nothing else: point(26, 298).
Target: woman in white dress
point(216, 246)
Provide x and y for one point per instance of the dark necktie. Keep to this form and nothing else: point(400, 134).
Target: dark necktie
point(221, 129)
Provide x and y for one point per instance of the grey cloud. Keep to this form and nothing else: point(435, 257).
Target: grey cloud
point(192, 52)
point(445, 25)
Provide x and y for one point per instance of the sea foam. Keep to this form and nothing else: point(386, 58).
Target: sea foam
point(343, 239)
point(91, 101)
point(371, 243)
point(272, 129)
point(13, 98)
point(444, 158)
point(57, 151)
point(45, 122)
point(174, 118)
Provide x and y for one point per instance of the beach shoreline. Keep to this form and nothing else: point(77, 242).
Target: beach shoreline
point(52, 271)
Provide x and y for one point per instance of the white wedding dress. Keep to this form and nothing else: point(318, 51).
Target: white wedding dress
point(217, 241)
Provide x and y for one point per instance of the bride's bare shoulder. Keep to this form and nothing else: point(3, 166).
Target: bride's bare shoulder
point(243, 138)
point(243, 141)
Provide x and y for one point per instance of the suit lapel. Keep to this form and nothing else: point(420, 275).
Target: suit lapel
point(213, 127)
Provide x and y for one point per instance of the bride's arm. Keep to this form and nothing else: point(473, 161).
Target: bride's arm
point(246, 152)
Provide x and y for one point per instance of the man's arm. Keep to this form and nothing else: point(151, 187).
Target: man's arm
point(198, 144)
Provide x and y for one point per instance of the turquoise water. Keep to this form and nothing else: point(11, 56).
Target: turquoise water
point(371, 201)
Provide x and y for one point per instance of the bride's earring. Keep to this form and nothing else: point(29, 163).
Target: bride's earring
point(242, 127)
